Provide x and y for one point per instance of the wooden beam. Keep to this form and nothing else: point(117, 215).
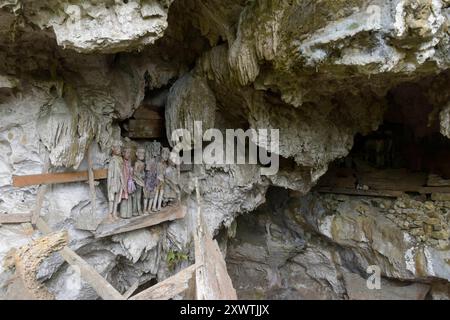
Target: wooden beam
point(383, 193)
point(91, 181)
point(41, 192)
point(430, 190)
point(131, 290)
point(355, 192)
point(435, 180)
point(54, 178)
point(170, 287)
point(125, 225)
point(88, 273)
point(26, 261)
point(212, 279)
point(15, 218)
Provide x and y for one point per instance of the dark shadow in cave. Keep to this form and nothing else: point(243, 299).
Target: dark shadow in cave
point(404, 154)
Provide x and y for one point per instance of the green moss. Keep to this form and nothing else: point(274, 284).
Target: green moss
point(174, 258)
point(353, 26)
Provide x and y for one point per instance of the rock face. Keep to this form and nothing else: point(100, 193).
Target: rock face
point(321, 72)
point(320, 247)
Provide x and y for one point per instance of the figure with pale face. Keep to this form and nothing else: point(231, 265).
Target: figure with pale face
point(151, 172)
point(167, 182)
point(150, 183)
point(128, 188)
point(115, 180)
point(172, 191)
point(139, 180)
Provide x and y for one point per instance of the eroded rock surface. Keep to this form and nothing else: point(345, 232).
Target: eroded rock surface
point(321, 72)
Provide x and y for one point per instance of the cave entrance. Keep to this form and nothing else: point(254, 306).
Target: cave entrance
point(407, 154)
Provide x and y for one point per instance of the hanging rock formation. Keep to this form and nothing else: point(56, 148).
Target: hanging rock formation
point(322, 72)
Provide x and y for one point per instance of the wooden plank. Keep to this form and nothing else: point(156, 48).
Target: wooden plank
point(131, 290)
point(88, 273)
point(435, 180)
point(91, 182)
point(393, 179)
point(54, 178)
point(145, 129)
point(41, 192)
point(15, 218)
point(383, 183)
point(355, 192)
point(430, 190)
point(170, 287)
point(212, 279)
point(26, 261)
point(125, 225)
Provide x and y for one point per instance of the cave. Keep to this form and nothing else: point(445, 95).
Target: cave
point(356, 94)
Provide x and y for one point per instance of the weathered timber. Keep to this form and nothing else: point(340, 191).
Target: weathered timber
point(212, 279)
point(355, 192)
point(435, 180)
point(55, 178)
point(170, 287)
point(15, 218)
point(430, 190)
point(384, 193)
point(131, 290)
point(88, 273)
point(384, 183)
point(91, 182)
point(393, 179)
point(41, 192)
point(145, 129)
point(169, 213)
point(26, 261)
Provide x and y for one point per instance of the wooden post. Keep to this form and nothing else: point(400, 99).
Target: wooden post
point(103, 288)
point(41, 192)
point(131, 290)
point(91, 181)
point(212, 279)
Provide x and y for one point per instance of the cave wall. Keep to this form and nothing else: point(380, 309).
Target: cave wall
point(319, 71)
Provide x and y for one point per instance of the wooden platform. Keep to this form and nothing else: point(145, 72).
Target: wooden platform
point(169, 213)
point(383, 183)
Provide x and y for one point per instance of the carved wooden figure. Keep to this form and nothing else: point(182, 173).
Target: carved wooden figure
point(115, 180)
point(150, 183)
point(171, 183)
point(151, 172)
point(139, 179)
point(126, 206)
point(159, 194)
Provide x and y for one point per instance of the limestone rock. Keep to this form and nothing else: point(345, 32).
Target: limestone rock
point(357, 290)
point(190, 100)
point(90, 26)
